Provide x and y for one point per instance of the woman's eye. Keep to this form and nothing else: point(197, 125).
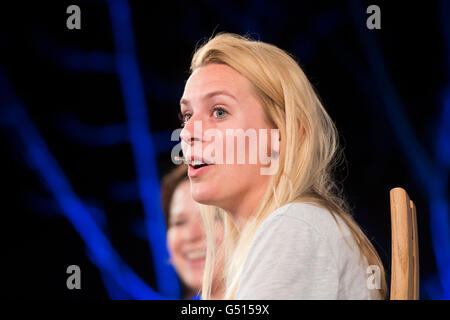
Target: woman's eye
point(178, 223)
point(219, 113)
point(184, 118)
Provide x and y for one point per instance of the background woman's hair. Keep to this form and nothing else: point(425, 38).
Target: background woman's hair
point(308, 150)
point(168, 185)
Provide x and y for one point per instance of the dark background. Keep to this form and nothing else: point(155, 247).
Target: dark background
point(388, 91)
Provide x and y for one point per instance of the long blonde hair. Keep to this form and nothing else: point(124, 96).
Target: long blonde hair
point(308, 151)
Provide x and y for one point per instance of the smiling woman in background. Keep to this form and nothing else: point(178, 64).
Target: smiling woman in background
point(288, 235)
point(185, 234)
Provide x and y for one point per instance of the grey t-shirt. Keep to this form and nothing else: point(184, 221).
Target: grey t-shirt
point(299, 252)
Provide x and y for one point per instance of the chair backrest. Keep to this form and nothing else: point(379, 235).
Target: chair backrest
point(405, 250)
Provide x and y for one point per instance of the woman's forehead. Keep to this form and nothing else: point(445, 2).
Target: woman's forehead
point(182, 202)
point(215, 78)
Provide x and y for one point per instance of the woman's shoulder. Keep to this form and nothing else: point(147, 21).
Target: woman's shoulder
point(299, 252)
point(301, 215)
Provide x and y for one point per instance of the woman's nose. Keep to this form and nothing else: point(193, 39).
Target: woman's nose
point(192, 131)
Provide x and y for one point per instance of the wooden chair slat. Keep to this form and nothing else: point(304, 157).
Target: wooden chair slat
point(405, 252)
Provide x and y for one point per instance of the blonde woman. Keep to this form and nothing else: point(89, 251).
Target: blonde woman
point(288, 234)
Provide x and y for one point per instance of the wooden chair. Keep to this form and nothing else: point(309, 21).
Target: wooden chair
point(405, 250)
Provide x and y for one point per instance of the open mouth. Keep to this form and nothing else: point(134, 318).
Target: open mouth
point(196, 255)
point(198, 164)
point(197, 167)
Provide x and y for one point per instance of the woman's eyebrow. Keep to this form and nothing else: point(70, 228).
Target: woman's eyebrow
point(209, 95)
point(219, 93)
point(184, 102)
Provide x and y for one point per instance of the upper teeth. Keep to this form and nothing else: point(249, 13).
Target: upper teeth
point(196, 162)
point(196, 254)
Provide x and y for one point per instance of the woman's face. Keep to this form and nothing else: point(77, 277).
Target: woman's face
point(220, 98)
point(186, 237)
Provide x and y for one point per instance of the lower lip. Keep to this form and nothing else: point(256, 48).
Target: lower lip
point(192, 172)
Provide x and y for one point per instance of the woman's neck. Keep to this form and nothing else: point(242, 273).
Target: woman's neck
point(242, 207)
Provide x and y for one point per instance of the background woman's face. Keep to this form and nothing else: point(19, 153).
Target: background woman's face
point(221, 98)
point(186, 237)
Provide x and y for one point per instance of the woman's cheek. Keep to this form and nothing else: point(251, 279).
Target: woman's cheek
point(173, 244)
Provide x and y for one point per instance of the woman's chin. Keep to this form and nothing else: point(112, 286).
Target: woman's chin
point(203, 194)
